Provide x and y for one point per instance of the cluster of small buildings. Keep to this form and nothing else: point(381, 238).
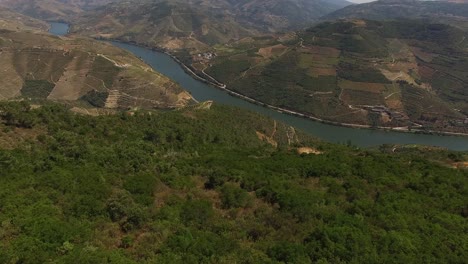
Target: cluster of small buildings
point(385, 110)
point(205, 56)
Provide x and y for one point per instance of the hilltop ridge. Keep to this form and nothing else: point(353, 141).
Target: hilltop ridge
point(198, 24)
point(453, 13)
point(11, 20)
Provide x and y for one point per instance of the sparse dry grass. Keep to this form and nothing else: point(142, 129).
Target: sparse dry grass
point(272, 51)
point(12, 138)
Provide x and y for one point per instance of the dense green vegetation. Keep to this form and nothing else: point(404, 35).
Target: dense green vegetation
point(192, 186)
point(37, 88)
point(358, 73)
point(104, 70)
point(95, 98)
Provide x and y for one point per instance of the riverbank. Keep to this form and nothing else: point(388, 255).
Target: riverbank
point(215, 83)
point(203, 90)
point(219, 85)
point(233, 93)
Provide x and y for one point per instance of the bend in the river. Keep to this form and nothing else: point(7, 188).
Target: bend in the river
point(164, 64)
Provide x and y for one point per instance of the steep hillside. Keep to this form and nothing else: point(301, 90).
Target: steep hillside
point(11, 20)
point(52, 9)
point(40, 66)
point(42, 9)
point(167, 24)
point(398, 74)
point(274, 15)
point(192, 186)
point(453, 13)
point(88, 4)
point(197, 24)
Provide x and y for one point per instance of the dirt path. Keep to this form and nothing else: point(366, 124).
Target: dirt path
point(292, 136)
point(116, 64)
point(275, 128)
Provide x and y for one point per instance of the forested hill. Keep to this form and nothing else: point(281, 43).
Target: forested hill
point(191, 186)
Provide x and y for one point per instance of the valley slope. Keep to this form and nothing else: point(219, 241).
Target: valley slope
point(380, 74)
point(166, 24)
point(11, 20)
point(454, 13)
point(198, 24)
point(52, 9)
point(81, 71)
point(209, 183)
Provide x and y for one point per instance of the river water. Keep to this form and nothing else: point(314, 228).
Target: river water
point(360, 137)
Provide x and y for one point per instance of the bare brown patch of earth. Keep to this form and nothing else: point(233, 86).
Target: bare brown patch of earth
point(461, 165)
point(425, 56)
point(271, 51)
point(377, 88)
point(10, 139)
point(315, 72)
point(308, 150)
point(267, 139)
point(325, 51)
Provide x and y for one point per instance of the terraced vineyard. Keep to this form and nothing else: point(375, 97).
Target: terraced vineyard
point(39, 67)
point(383, 74)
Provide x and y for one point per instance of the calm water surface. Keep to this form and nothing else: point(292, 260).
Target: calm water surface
point(58, 29)
point(201, 91)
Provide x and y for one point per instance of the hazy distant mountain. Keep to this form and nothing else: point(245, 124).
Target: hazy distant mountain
point(284, 14)
point(51, 9)
point(177, 24)
point(87, 4)
point(168, 24)
point(456, 1)
point(42, 9)
point(442, 11)
point(11, 20)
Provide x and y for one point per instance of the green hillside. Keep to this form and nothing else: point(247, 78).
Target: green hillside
point(191, 186)
point(393, 74)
